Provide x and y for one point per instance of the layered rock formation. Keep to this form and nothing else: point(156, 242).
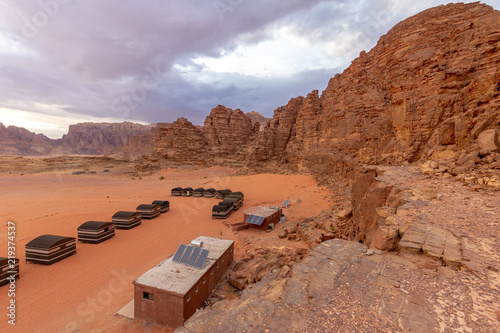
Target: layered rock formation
point(227, 133)
point(429, 89)
point(101, 138)
point(18, 141)
point(138, 146)
point(224, 139)
point(432, 81)
point(83, 138)
point(179, 143)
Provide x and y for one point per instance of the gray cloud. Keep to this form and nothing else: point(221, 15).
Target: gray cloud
point(113, 59)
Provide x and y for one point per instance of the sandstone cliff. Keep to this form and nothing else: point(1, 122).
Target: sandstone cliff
point(429, 89)
point(100, 138)
point(431, 81)
point(228, 133)
point(176, 144)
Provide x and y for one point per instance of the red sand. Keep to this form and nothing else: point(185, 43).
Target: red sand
point(85, 290)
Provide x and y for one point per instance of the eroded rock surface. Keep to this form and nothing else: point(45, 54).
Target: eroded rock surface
point(343, 287)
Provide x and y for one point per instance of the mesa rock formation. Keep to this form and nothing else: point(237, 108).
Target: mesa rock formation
point(19, 141)
point(100, 138)
point(81, 139)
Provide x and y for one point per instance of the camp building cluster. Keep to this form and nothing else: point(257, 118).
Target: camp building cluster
point(172, 291)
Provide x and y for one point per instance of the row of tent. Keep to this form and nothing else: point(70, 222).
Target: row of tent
point(231, 201)
point(199, 192)
point(48, 249)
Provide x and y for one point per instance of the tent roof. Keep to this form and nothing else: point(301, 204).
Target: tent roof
point(126, 215)
point(161, 202)
point(48, 241)
point(94, 225)
point(147, 206)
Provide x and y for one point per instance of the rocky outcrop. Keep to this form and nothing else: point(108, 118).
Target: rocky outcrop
point(228, 133)
point(138, 146)
point(83, 138)
point(411, 93)
point(179, 143)
point(343, 285)
point(270, 144)
point(100, 138)
point(428, 90)
point(18, 141)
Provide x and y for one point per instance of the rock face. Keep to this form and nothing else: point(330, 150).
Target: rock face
point(100, 138)
point(426, 91)
point(19, 141)
point(342, 285)
point(228, 133)
point(224, 139)
point(138, 146)
point(180, 143)
point(432, 80)
point(270, 144)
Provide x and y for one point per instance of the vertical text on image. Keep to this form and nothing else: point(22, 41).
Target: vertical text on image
point(11, 257)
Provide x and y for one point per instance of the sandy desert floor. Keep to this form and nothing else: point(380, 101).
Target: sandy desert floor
point(83, 292)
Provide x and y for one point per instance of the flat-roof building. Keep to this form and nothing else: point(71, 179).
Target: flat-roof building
point(170, 293)
point(259, 217)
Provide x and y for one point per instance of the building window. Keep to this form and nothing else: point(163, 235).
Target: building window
point(148, 296)
point(203, 280)
point(212, 272)
point(222, 259)
point(196, 290)
point(188, 298)
point(217, 265)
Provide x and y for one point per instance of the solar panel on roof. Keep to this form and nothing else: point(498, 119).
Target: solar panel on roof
point(259, 220)
point(201, 260)
point(186, 255)
point(251, 218)
point(194, 256)
point(179, 253)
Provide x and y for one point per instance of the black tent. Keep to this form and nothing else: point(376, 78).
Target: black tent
point(95, 232)
point(221, 194)
point(187, 192)
point(222, 210)
point(176, 192)
point(8, 268)
point(126, 220)
point(209, 193)
point(164, 205)
point(48, 249)
point(148, 212)
point(199, 192)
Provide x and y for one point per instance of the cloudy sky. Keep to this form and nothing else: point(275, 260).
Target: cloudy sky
point(69, 61)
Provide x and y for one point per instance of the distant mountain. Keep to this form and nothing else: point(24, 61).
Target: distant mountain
point(256, 117)
point(83, 138)
point(19, 141)
point(101, 138)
